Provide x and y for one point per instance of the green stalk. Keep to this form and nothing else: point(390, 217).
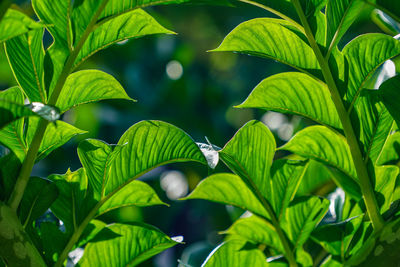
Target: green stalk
point(362, 173)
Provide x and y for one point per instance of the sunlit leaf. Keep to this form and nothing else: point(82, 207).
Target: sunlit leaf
point(228, 189)
point(16, 23)
point(389, 93)
point(385, 183)
point(134, 243)
point(261, 37)
point(89, 86)
point(295, 93)
point(324, 145)
point(26, 56)
point(235, 253)
point(391, 151)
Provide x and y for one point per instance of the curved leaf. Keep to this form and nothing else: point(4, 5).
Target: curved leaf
point(295, 93)
point(364, 55)
point(389, 94)
point(89, 86)
point(263, 36)
point(391, 150)
point(301, 218)
point(134, 24)
point(235, 253)
point(136, 193)
point(134, 244)
point(257, 231)
point(150, 144)
point(26, 55)
point(340, 14)
point(249, 154)
point(228, 189)
point(16, 23)
point(385, 183)
point(324, 145)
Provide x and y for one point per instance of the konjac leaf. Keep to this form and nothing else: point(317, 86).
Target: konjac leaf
point(134, 24)
point(256, 230)
point(26, 56)
point(11, 135)
point(389, 93)
point(295, 93)
point(324, 145)
point(228, 189)
point(340, 14)
point(286, 176)
point(133, 244)
point(249, 154)
point(301, 218)
point(89, 86)
point(364, 55)
point(262, 37)
point(136, 193)
point(16, 23)
point(235, 253)
point(38, 197)
point(149, 144)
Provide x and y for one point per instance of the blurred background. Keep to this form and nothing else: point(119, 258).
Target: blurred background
point(175, 80)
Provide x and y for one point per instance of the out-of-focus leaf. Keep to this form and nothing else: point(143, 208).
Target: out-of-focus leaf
point(257, 231)
point(340, 14)
point(235, 253)
point(389, 93)
point(16, 23)
point(261, 37)
point(301, 218)
point(149, 144)
point(51, 234)
point(324, 145)
point(136, 193)
point(376, 123)
point(89, 86)
point(134, 24)
point(364, 55)
point(229, 189)
point(295, 93)
point(249, 154)
point(38, 197)
point(133, 244)
point(390, 7)
point(286, 176)
point(11, 135)
point(26, 56)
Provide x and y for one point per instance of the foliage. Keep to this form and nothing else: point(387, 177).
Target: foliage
point(356, 143)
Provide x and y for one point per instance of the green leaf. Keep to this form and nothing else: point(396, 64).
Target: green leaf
point(89, 86)
point(150, 144)
point(26, 56)
point(90, 232)
point(376, 123)
point(295, 93)
point(134, 24)
point(134, 244)
point(235, 253)
point(340, 14)
point(301, 218)
point(257, 231)
point(364, 55)
point(286, 176)
point(38, 197)
point(261, 37)
point(391, 8)
point(12, 135)
point(385, 183)
point(136, 193)
point(249, 154)
point(56, 135)
point(389, 94)
point(315, 177)
point(391, 150)
point(16, 23)
point(51, 234)
point(228, 189)
point(324, 145)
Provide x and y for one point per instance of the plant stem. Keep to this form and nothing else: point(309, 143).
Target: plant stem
point(362, 172)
